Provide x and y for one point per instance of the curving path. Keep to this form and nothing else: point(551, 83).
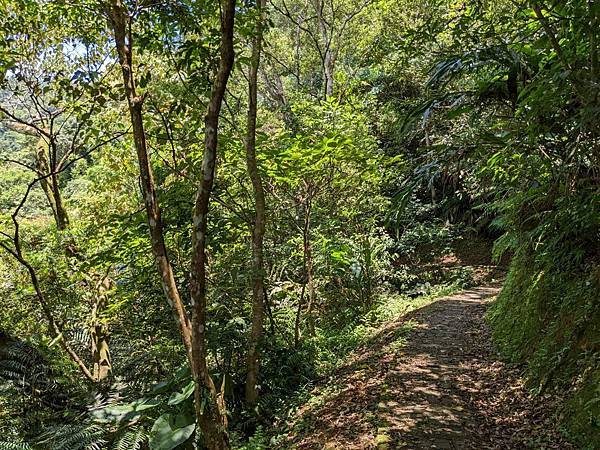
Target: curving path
point(429, 380)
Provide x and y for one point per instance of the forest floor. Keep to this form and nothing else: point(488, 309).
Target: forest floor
point(430, 379)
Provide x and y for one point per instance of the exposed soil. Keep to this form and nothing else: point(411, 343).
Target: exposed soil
point(429, 380)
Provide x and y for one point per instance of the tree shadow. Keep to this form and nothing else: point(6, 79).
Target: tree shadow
point(410, 385)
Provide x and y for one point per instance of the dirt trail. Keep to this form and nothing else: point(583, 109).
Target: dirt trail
point(429, 380)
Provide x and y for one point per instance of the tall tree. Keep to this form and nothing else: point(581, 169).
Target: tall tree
point(326, 27)
point(209, 403)
point(39, 101)
point(258, 228)
point(214, 417)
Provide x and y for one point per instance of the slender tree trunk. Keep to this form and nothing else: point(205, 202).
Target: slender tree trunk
point(594, 12)
point(120, 21)
point(308, 261)
point(310, 283)
point(329, 70)
point(49, 183)
point(101, 363)
point(298, 320)
point(275, 90)
point(209, 404)
point(298, 47)
point(61, 214)
point(54, 328)
point(62, 218)
point(258, 231)
point(99, 333)
point(550, 33)
point(46, 172)
point(43, 167)
point(327, 54)
point(212, 417)
point(368, 258)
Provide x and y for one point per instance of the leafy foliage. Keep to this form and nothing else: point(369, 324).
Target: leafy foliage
point(390, 134)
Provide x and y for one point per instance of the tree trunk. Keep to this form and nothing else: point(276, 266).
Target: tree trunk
point(258, 285)
point(329, 69)
point(368, 263)
point(310, 284)
point(120, 21)
point(53, 327)
point(275, 91)
point(62, 222)
point(308, 262)
point(62, 218)
point(99, 334)
point(212, 417)
point(101, 364)
point(298, 321)
point(210, 414)
point(49, 182)
point(327, 54)
point(594, 12)
point(43, 167)
point(46, 173)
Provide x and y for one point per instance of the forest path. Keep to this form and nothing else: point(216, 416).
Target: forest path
point(428, 380)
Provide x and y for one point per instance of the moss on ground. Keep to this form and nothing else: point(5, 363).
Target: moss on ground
point(549, 320)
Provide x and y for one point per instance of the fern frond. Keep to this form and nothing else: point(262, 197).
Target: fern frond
point(73, 437)
point(26, 368)
point(131, 439)
point(79, 339)
point(15, 446)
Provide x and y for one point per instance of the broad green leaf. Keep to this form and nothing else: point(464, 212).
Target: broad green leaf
point(178, 397)
point(168, 432)
point(125, 412)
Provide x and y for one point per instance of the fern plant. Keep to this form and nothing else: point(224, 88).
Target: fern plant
point(26, 368)
point(73, 437)
point(130, 439)
point(15, 446)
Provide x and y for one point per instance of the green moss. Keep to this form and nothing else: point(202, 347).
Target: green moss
point(550, 320)
point(582, 411)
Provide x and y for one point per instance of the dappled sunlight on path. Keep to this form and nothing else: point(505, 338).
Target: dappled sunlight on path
point(429, 380)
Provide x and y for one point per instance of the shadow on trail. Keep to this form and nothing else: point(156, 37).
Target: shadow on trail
point(412, 385)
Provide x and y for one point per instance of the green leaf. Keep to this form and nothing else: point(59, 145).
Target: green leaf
point(456, 112)
point(178, 397)
point(168, 384)
point(126, 412)
point(168, 432)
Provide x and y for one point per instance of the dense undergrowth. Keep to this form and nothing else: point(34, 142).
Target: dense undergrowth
point(439, 260)
point(127, 412)
point(109, 422)
point(548, 314)
point(394, 140)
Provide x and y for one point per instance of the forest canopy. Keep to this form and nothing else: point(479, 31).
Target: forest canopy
point(206, 206)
